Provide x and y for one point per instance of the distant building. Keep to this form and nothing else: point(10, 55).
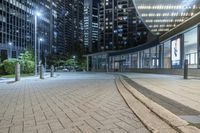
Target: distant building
point(64, 26)
point(47, 24)
point(91, 25)
point(78, 26)
point(120, 26)
point(70, 26)
point(16, 28)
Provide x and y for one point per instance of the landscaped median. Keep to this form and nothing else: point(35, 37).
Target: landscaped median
point(7, 67)
point(155, 117)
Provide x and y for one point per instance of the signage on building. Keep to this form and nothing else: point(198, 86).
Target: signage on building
point(176, 52)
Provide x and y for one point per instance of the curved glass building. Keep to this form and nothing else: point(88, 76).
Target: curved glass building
point(176, 23)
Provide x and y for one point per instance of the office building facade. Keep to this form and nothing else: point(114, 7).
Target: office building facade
point(91, 25)
point(46, 25)
point(120, 26)
point(69, 26)
point(78, 15)
point(17, 26)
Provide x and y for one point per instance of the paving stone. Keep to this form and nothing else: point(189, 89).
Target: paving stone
point(4, 130)
point(70, 103)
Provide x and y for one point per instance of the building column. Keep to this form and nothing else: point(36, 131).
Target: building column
point(139, 60)
point(198, 47)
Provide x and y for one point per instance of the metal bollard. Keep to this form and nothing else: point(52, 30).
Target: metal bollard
point(17, 72)
point(41, 71)
point(52, 71)
point(186, 69)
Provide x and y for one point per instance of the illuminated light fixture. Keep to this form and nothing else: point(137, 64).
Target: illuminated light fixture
point(41, 39)
point(37, 13)
point(10, 43)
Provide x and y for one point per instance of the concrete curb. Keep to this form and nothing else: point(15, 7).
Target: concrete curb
point(174, 121)
point(150, 120)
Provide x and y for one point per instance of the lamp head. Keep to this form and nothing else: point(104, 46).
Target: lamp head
point(10, 43)
point(37, 13)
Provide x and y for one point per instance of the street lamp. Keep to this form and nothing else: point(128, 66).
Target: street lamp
point(37, 14)
point(45, 59)
point(10, 46)
point(39, 51)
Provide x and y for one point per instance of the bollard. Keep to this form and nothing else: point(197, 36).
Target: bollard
point(17, 72)
point(52, 71)
point(186, 69)
point(41, 71)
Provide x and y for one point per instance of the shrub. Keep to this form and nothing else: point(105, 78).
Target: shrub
point(2, 71)
point(9, 66)
point(27, 66)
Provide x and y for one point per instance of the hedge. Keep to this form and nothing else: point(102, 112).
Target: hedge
point(9, 66)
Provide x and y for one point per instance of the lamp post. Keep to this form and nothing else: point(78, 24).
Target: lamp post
point(39, 51)
point(37, 14)
point(74, 57)
point(10, 46)
point(45, 59)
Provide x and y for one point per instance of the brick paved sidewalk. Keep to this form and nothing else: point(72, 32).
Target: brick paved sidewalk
point(89, 103)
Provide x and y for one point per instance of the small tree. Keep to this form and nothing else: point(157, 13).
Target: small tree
point(56, 59)
point(26, 61)
point(70, 62)
point(27, 56)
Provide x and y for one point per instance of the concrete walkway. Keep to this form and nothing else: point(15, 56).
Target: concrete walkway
point(69, 103)
point(182, 97)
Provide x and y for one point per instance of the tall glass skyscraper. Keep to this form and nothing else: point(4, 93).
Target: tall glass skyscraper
point(70, 26)
point(47, 24)
point(120, 26)
point(17, 26)
point(91, 25)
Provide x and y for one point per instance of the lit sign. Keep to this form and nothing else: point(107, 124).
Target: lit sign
point(176, 52)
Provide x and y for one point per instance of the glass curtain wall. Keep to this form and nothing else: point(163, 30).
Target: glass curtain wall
point(116, 63)
point(94, 62)
point(111, 63)
point(154, 59)
point(102, 61)
point(146, 63)
point(123, 62)
point(141, 59)
point(167, 55)
point(161, 56)
point(129, 61)
point(190, 48)
point(158, 60)
point(134, 60)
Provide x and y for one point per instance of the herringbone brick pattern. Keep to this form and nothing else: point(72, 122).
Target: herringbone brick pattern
point(64, 105)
